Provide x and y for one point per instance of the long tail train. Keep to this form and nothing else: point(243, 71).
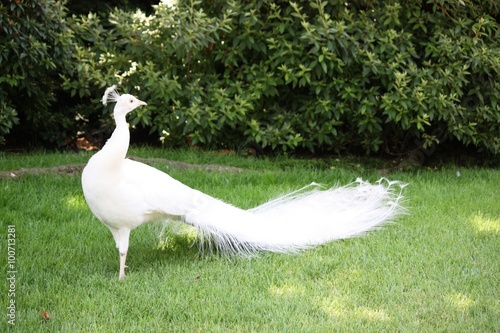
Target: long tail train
point(299, 220)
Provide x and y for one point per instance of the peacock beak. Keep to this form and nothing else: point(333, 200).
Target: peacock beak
point(142, 103)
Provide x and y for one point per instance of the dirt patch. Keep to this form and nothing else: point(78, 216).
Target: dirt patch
point(187, 166)
point(76, 169)
point(70, 169)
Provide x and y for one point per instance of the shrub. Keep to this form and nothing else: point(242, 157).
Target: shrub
point(378, 75)
point(8, 118)
point(34, 48)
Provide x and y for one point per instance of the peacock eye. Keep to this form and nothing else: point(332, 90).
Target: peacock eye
point(131, 101)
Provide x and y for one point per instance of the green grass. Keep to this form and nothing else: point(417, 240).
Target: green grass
point(436, 269)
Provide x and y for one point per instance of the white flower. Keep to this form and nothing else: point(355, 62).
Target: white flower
point(169, 3)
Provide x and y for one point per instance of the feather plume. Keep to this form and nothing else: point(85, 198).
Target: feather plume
point(110, 95)
point(299, 220)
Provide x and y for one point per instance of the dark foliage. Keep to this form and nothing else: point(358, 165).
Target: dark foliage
point(380, 76)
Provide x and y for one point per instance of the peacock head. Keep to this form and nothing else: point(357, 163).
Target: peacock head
point(124, 103)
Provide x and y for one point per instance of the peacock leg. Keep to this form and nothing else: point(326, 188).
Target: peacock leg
point(124, 235)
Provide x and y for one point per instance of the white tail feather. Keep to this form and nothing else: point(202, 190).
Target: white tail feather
point(302, 219)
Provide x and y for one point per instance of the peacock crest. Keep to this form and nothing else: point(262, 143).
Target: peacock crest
point(110, 95)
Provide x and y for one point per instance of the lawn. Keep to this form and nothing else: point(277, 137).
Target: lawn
point(436, 269)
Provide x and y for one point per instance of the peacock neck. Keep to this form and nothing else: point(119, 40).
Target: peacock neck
point(115, 150)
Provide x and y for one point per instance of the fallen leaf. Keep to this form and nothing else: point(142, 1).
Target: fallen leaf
point(45, 315)
point(84, 144)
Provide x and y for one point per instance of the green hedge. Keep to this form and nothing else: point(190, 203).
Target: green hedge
point(320, 75)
